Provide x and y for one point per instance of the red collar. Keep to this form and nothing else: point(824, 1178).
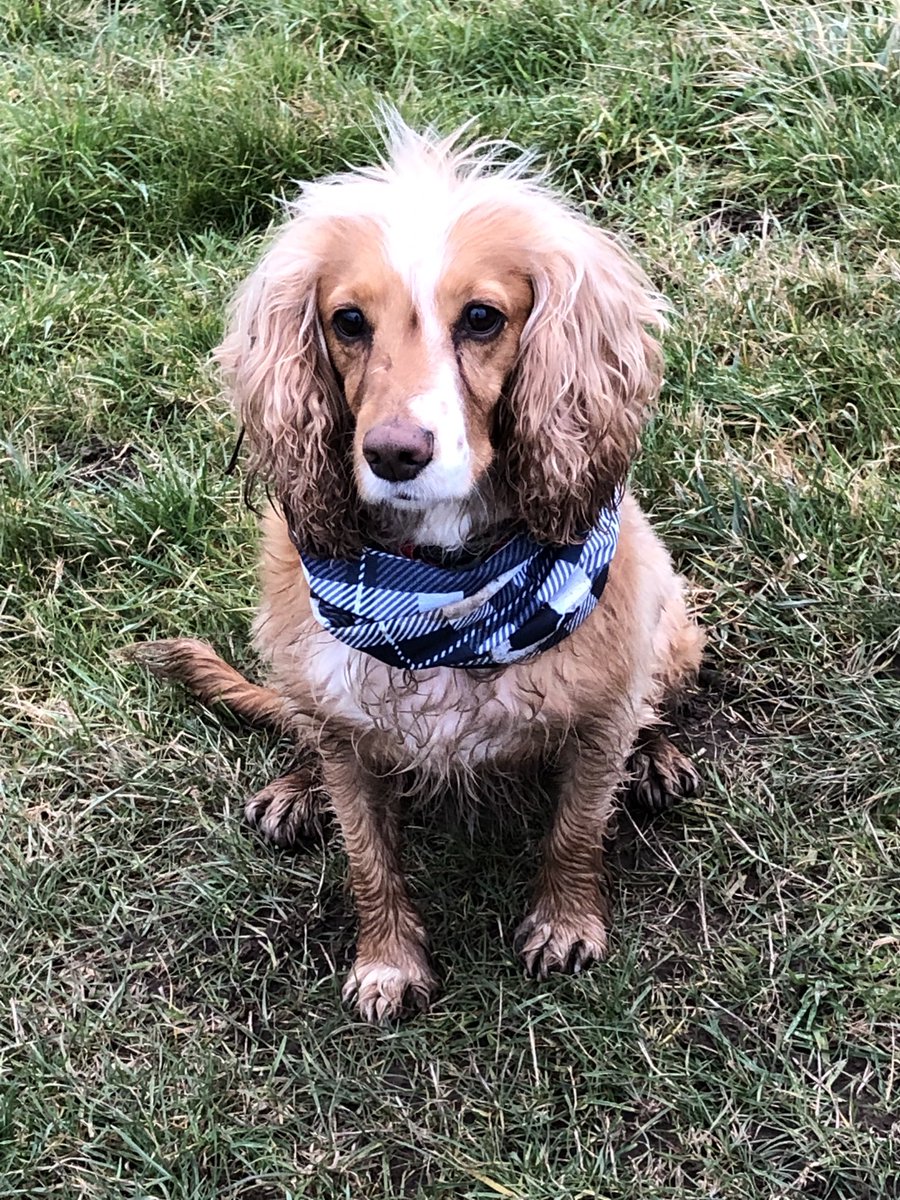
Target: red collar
point(437, 556)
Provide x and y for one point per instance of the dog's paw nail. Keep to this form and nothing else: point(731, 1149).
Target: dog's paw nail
point(522, 936)
point(574, 961)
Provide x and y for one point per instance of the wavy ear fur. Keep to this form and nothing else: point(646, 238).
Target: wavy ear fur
point(587, 373)
point(285, 393)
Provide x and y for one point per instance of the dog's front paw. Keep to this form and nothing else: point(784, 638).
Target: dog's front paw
point(290, 811)
point(388, 991)
point(547, 943)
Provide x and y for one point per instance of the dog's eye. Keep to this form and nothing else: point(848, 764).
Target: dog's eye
point(481, 320)
point(350, 323)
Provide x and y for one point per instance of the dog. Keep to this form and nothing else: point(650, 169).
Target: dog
point(442, 370)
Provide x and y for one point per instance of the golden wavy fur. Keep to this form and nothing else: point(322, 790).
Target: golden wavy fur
point(430, 350)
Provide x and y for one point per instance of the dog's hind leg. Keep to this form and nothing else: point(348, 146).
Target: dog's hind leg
point(289, 811)
point(212, 680)
point(659, 773)
point(292, 811)
point(678, 647)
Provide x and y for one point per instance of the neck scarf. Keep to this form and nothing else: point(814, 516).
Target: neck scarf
point(517, 602)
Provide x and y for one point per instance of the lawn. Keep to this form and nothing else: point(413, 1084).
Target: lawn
point(170, 1018)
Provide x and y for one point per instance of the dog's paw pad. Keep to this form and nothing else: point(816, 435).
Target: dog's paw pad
point(289, 812)
point(386, 991)
point(562, 944)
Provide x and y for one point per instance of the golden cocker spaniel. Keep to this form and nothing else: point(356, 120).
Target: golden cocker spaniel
point(442, 370)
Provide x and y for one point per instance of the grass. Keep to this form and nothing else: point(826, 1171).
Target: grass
point(170, 1023)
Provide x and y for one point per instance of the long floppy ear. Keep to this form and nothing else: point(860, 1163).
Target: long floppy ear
point(285, 393)
point(587, 373)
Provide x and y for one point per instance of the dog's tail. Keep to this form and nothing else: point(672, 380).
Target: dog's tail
point(199, 668)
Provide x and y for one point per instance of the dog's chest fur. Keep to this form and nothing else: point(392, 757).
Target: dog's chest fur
point(443, 721)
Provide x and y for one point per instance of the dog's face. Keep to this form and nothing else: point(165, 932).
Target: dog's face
point(423, 338)
point(422, 326)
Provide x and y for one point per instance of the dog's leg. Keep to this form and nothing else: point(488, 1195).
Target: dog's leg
point(392, 973)
point(567, 926)
point(199, 668)
point(290, 811)
point(660, 775)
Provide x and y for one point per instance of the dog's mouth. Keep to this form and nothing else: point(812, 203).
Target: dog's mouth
point(429, 489)
point(397, 496)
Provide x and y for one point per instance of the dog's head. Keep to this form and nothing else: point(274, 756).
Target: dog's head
point(425, 326)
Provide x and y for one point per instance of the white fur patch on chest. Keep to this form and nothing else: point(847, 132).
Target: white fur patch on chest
point(444, 524)
point(441, 720)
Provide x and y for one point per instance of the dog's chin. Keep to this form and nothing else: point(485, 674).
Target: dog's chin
point(405, 502)
point(408, 512)
point(410, 508)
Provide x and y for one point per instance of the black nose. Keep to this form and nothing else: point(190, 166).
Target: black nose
point(398, 450)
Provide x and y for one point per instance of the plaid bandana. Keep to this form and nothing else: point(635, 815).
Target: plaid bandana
point(519, 601)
